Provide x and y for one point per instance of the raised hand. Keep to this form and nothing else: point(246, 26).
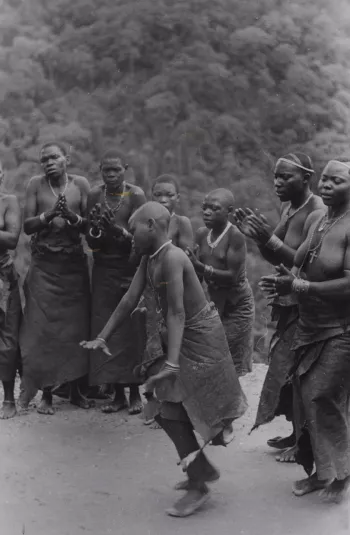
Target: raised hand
point(98, 343)
point(56, 211)
point(259, 224)
point(66, 213)
point(242, 222)
point(95, 217)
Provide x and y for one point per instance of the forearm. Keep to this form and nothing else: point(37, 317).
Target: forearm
point(8, 240)
point(34, 224)
point(175, 328)
point(218, 276)
point(284, 255)
point(338, 289)
point(123, 310)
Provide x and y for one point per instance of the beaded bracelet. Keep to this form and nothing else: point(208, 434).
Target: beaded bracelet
point(300, 286)
point(274, 243)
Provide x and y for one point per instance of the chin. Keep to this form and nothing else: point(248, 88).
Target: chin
point(208, 224)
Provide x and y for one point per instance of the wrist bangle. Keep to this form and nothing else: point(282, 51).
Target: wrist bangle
point(101, 339)
point(96, 236)
point(78, 221)
point(300, 286)
point(208, 271)
point(274, 243)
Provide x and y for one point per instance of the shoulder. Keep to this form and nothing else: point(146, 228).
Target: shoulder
point(134, 190)
point(183, 221)
point(236, 238)
point(201, 233)
point(96, 191)
point(317, 203)
point(284, 206)
point(36, 181)
point(313, 217)
point(80, 181)
point(9, 200)
point(174, 257)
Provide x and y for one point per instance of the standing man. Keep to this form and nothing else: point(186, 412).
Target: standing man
point(110, 206)
point(57, 284)
point(10, 301)
point(221, 260)
point(292, 185)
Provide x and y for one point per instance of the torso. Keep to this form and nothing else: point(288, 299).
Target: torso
point(194, 297)
point(291, 231)
point(329, 265)
point(217, 257)
point(5, 200)
point(58, 237)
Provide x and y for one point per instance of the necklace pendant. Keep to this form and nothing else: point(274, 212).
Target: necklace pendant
point(313, 256)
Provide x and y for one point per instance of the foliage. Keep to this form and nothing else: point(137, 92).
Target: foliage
point(211, 90)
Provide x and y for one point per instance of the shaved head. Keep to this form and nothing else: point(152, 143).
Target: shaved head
point(152, 211)
point(224, 196)
point(337, 167)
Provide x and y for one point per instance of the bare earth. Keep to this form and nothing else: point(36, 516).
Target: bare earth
point(82, 472)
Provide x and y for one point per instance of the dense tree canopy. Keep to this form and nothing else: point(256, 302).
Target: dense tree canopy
point(211, 90)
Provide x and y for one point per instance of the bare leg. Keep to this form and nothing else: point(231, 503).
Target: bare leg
point(135, 403)
point(119, 402)
point(45, 406)
point(337, 490)
point(8, 409)
point(288, 455)
point(77, 398)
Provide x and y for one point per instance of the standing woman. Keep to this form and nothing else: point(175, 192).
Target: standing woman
point(10, 301)
point(320, 279)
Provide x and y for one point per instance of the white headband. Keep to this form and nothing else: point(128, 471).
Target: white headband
point(295, 164)
point(337, 161)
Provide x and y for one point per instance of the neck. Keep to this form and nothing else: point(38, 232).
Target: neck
point(158, 242)
point(111, 188)
point(299, 199)
point(218, 229)
point(338, 211)
point(58, 179)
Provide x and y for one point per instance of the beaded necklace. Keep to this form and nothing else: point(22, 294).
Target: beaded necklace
point(215, 243)
point(64, 189)
point(117, 207)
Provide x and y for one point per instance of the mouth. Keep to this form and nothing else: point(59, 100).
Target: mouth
point(280, 193)
point(326, 196)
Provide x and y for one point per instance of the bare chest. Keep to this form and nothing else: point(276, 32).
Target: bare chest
point(121, 207)
point(214, 254)
point(47, 196)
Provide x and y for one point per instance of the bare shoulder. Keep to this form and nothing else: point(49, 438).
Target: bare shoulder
point(174, 257)
point(95, 192)
point(201, 233)
point(10, 200)
point(313, 217)
point(134, 190)
point(183, 220)
point(316, 203)
point(36, 181)
point(80, 181)
point(237, 240)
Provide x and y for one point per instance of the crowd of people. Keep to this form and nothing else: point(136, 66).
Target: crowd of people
point(174, 311)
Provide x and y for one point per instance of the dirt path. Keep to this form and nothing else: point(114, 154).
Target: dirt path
point(82, 472)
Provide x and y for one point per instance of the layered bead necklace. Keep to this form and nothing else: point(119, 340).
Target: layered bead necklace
point(152, 257)
point(288, 216)
point(115, 208)
point(214, 244)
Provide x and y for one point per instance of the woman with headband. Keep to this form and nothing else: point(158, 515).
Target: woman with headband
point(320, 279)
point(292, 186)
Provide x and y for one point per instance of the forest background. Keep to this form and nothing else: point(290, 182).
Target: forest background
point(213, 91)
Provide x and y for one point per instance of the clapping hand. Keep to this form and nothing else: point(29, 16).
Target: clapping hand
point(66, 213)
point(192, 255)
point(95, 217)
point(252, 225)
point(98, 343)
point(276, 285)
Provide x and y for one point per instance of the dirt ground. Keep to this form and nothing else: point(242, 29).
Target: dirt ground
point(79, 473)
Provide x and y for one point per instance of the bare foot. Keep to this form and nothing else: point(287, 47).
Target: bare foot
point(80, 401)
point(308, 485)
point(154, 425)
point(186, 484)
point(191, 502)
point(135, 403)
point(337, 490)
point(45, 407)
point(8, 410)
point(114, 406)
point(281, 443)
point(288, 455)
